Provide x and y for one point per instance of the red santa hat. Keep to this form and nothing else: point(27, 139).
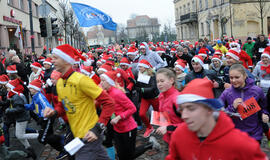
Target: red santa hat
point(144, 63)
point(4, 79)
point(41, 58)
point(198, 59)
point(266, 52)
point(36, 65)
point(142, 45)
point(199, 91)
point(110, 77)
point(12, 69)
point(216, 57)
point(234, 54)
point(160, 50)
point(218, 52)
point(119, 52)
point(132, 51)
point(202, 52)
point(173, 50)
point(48, 61)
point(105, 68)
point(67, 53)
point(15, 86)
point(124, 61)
point(77, 60)
point(36, 85)
point(181, 65)
point(86, 70)
point(99, 61)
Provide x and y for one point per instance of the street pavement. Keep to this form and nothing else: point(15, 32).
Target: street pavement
point(47, 153)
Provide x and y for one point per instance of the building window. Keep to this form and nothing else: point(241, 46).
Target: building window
point(21, 4)
point(180, 11)
point(10, 2)
point(214, 3)
point(206, 4)
point(202, 29)
point(184, 9)
point(188, 8)
point(39, 39)
point(222, 1)
point(208, 29)
point(176, 14)
point(200, 5)
point(193, 6)
point(36, 8)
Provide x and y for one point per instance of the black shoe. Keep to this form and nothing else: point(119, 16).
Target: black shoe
point(31, 153)
point(62, 155)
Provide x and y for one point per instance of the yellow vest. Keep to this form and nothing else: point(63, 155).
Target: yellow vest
point(77, 95)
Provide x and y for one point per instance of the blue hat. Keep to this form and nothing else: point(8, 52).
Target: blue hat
point(219, 41)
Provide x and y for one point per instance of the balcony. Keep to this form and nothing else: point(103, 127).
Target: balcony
point(189, 18)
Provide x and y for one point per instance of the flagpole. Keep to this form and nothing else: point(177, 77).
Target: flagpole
point(21, 34)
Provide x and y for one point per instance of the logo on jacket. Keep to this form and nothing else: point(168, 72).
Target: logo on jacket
point(68, 106)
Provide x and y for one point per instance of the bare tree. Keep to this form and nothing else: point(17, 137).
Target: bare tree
point(64, 19)
point(263, 8)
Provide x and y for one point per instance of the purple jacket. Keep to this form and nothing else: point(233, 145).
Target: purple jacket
point(253, 124)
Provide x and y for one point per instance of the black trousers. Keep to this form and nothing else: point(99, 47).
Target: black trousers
point(46, 135)
point(125, 144)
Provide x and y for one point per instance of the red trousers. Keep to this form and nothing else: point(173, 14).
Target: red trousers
point(145, 104)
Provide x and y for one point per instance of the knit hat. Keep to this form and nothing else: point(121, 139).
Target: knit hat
point(86, 70)
point(35, 84)
point(4, 79)
point(266, 52)
point(12, 69)
point(36, 65)
point(110, 77)
point(199, 91)
point(234, 54)
point(202, 52)
point(105, 68)
point(48, 61)
point(198, 59)
point(216, 57)
point(124, 61)
point(55, 75)
point(67, 53)
point(144, 63)
point(181, 65)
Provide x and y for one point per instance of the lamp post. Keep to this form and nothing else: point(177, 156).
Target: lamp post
point(231, 18)
point(31, 26)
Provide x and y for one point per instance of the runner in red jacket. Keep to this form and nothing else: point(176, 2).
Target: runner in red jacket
point(208, 133)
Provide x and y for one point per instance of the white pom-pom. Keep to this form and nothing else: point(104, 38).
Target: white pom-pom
point(118, 75)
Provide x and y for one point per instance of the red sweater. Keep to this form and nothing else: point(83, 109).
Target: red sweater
point(125, 108)
point(224, 143)
point(166, 102)
point(245, 58)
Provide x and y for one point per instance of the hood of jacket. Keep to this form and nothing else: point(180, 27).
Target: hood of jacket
point(147, 50)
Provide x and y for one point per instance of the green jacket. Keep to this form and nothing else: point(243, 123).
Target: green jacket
point(248, 48)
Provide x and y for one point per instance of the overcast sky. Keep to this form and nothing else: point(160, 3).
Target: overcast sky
point(121, 10)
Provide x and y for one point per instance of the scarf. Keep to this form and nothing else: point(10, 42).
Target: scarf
point(266, 69)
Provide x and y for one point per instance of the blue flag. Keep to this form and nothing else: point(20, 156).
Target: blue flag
point(89, 16)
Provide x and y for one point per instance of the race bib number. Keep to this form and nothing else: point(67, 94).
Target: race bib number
point(143, 78)
point(265, 83)
point(261, 50)
point(248, 108)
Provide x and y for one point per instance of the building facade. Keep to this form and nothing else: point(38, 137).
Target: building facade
point(142, 26)
point(12, 14)
point(213, 19)
point(97, 35)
